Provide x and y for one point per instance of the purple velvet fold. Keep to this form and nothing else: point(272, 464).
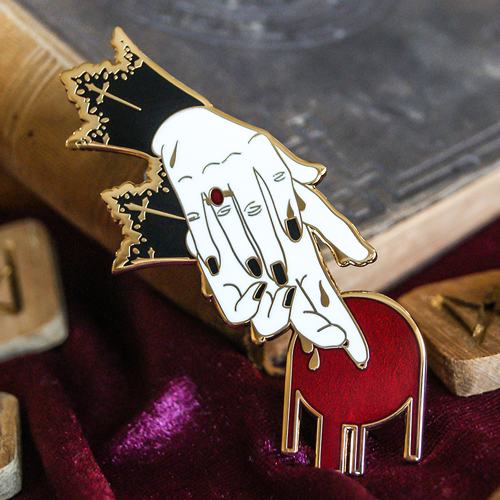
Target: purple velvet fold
point(145, 402)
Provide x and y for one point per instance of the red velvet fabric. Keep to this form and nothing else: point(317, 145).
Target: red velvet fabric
point(145, 402)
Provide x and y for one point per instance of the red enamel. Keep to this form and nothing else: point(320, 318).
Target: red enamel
point(344, 394)
point(216, 196)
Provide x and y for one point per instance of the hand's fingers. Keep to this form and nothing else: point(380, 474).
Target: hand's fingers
point(248, 304)
point(236, 293)
point(313, 323)
point(321, 315)
point(225, 214)
point(318, 311)
point(237, 305)
point(227, 259)
point(357, 349)
point(275, 177)
point(303, 172)
point(335, 230)
point(274, 312)
point(202, 244)
point(255, 217)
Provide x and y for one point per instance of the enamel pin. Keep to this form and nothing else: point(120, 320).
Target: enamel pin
point(229, 196)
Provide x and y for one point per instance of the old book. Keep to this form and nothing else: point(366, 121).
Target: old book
point(398, 101)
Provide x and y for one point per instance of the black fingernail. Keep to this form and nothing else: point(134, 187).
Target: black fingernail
point(254, 267)
point(279, 273)
point(293, 229)
point(258, 294)
point(289, 297)
point(213, 266)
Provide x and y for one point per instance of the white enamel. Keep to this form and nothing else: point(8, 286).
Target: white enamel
point(202, 150)
point(336, 231)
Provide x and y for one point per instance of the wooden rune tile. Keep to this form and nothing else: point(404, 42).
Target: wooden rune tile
point(10, 441)
point(32, 316)
point(460, 322)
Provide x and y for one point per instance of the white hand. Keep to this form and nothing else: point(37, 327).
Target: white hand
point(205, 153)
point(253, 217)
point(318, 312)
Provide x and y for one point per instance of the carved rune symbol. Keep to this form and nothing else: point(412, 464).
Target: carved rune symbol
point(9, 274)
point(487, 309)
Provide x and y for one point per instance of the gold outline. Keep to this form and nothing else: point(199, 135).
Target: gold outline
point(255, 293)
point(300, 400)
point(131, 237)
point(120, 42)
point(256, 337)
point(407, 405)
point(208, 267)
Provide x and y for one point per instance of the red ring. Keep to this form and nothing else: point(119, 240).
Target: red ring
point(217, 196)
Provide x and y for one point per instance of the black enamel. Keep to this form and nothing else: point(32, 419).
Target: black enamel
point(165, 236)
point(254, 266)
point(127, 127)
point(293, 229)
point(280, 273)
